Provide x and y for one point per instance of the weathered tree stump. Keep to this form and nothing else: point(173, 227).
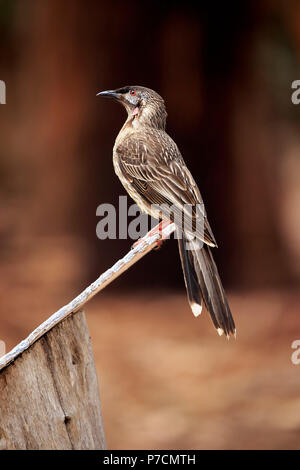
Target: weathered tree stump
point(49, 396)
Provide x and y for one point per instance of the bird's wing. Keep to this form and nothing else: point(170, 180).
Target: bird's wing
point(154, 167)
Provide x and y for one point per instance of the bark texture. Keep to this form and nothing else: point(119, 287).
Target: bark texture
point(49, 394)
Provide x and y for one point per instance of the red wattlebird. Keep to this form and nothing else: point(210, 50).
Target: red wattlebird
point(153, 172)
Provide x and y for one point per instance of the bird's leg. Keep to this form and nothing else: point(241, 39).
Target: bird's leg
point(158, 229)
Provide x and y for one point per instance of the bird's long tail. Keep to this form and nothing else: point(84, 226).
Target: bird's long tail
point(203, 283)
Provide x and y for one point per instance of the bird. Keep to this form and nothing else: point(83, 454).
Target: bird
point(153, 172)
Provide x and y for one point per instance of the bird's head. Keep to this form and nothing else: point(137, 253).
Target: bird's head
point(143, 106)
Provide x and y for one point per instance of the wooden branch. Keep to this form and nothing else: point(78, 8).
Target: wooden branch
point(144, 246)
point(49, 395)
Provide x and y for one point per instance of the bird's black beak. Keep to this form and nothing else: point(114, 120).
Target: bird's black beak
point(110, 94)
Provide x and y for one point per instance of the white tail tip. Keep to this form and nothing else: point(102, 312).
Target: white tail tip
point(196, 309)
point(220, 331)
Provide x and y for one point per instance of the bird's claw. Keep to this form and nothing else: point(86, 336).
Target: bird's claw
point(156, 230)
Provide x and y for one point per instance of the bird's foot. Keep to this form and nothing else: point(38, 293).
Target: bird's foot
point(158, 229)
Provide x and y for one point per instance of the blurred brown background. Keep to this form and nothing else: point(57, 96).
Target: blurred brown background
point(225, 71)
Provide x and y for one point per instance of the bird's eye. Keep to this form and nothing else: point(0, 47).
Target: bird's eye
point(132, 92)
